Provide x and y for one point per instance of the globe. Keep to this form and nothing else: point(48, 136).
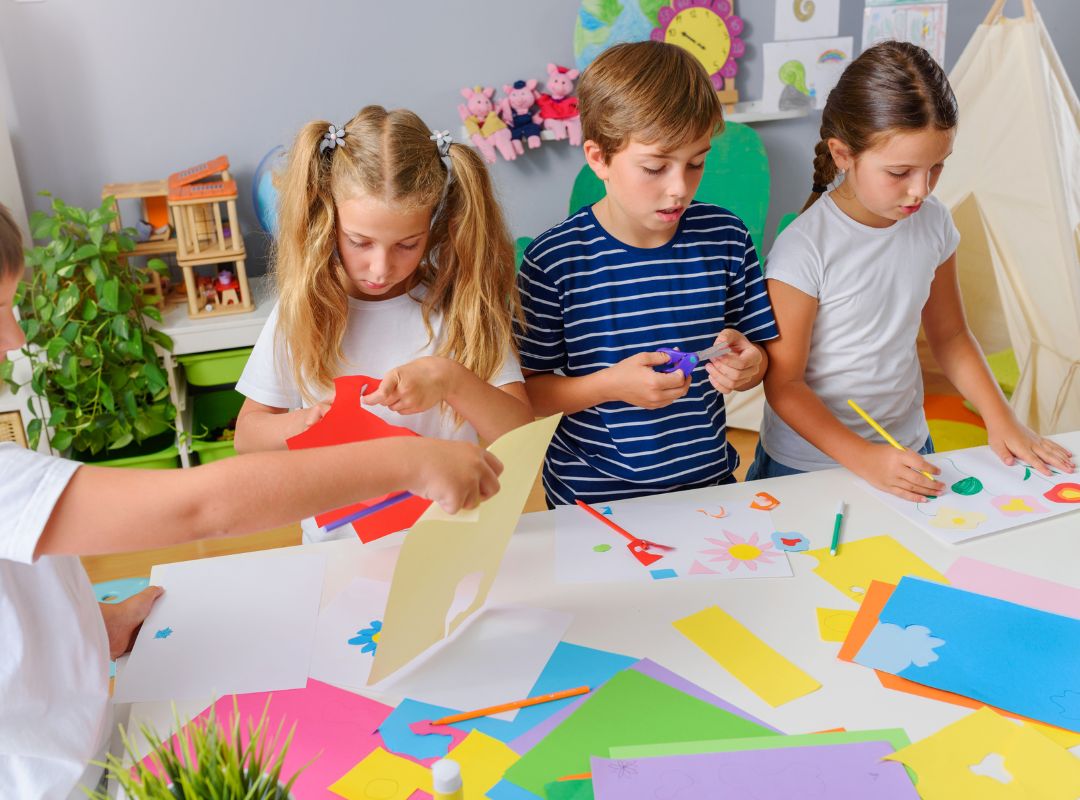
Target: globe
point(263, 192)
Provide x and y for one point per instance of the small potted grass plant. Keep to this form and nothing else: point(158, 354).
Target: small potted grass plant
point(207, 760)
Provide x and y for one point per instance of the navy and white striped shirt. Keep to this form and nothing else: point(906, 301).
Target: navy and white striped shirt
point(591, 301)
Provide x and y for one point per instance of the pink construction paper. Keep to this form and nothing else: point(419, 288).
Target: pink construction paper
point(1016, 587)
point(334, 727)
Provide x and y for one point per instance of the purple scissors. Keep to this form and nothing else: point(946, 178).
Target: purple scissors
point(687, 361)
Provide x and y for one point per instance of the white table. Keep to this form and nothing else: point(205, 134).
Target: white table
point(635, 618)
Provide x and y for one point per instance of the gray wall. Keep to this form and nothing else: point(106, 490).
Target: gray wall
point(121, 90)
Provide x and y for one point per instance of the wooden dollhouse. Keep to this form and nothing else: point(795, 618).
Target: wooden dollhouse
point(209, 245)
point(159, 240)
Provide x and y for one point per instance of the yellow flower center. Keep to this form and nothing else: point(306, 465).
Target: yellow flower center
point(744, 552)
point(375, 637)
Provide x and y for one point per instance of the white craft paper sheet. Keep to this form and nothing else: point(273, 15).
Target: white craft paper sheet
point(998, 507)
point(807, 19)
point(701, 536)
point(822, 60)
point(242, 623)
point(333, 659)
point(495, 657)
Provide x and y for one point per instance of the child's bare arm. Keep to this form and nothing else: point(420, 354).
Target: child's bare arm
point(260, 427)
point(108, 510)
point(633, 380)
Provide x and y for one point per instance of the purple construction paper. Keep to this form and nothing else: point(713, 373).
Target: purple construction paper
point(852, 771)
point(527, 741)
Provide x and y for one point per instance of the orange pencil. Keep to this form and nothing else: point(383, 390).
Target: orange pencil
point(528, 701)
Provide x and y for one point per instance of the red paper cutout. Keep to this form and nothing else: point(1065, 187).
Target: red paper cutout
point(348, 421)
point(639, 549)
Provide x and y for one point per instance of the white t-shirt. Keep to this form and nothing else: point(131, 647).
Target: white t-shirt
point(54, 652)
point(379, 336)
point(871, 285)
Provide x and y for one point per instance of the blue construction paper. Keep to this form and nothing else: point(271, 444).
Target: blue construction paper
point(1003, 654)
point(570, 665)
point(660, 574)
point(504, 790)
point(117, 592)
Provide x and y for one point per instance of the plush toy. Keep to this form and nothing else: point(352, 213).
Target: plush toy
point(516, 110)
point(487, 131)
point(558, 108)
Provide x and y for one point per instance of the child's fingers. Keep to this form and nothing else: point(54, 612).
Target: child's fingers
point(907, 494)
point(493, 462)
point(652, 359)
point(1053, 453)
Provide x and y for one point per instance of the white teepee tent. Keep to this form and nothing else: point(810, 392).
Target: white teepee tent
point(1013, 185)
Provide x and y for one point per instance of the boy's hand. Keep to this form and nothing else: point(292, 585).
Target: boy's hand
point(899, 472)
point(736, 368)
point(416, 386)
point(633, 380)
point(1012, 441)
point(455, 475)
point(123, 620)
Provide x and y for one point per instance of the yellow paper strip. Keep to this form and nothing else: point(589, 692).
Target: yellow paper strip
point(483, 761)
point(1034, 766)
point(879, 558)
point(760, 668)
point(382, 775)
point(834, 623)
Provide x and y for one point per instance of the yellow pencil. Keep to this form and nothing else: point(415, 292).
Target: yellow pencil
point(884, 433)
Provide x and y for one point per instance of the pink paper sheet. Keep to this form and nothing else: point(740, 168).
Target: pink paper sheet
point(1016, 587)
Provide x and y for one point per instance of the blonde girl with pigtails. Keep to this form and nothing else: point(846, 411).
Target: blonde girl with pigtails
point(393, 261)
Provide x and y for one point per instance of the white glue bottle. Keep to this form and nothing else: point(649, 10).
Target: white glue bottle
point(446, 780)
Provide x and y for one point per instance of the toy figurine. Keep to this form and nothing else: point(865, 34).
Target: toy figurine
point(486, 130)
point(558, 106)
point(516, 110)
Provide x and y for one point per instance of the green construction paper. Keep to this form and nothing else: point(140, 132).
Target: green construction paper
point(629, 709)
point(569, 790)
point(894, 736)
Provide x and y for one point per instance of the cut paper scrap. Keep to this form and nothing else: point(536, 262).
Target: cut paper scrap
point(348, 421)
point(495, 658)
point(439, 555)
point(763, 501)
point(1034, 766)
point(527, 741)
point(568, 790)
point(791, 541)
point(240, 623)
point(333, 728)
point(851, 771)
point(1016, 587)
point(382, 776)
point(483, 762)
point(628, 709)
point(343, 653)
point(569, 664)
point(867, 618)
point(834, 623)
point(735, 546)
point(752, 662)
point(894, 736)
point(987, 644)
point(878, 558)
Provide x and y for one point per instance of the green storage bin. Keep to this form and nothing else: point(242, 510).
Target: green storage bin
point(214, 369)
point(213, 410)
point(157, 452)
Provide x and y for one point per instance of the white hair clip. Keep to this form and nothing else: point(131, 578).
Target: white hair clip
point(333, 137)
point(442, 140)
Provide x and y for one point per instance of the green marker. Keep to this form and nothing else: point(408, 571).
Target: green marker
point(836, 528)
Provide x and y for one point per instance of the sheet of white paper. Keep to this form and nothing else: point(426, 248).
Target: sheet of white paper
point(800, 74)
point(242, 623)
point(807, 19)
point(919, 23)
point(725, 542)
point(985, 496)
point(495, 657)
point(347, 634)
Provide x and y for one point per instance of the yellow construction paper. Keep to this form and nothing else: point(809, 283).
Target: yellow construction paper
point(384, 776)
point(1038, 769)
point(439, 553)
point(879, 558)
point(1067, 739)
point(756, 665)
point(483, 762)
point(834, 623)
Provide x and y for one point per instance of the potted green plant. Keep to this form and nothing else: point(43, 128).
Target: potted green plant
point(208, 760)
point(85, 315)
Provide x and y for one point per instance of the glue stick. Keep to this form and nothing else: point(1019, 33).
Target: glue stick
point(446, 780)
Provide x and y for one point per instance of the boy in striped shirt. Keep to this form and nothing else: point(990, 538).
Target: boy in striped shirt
point(643, 268)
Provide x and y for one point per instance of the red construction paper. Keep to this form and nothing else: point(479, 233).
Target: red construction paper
point(348, 421)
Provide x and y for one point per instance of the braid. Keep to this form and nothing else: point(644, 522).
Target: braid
point(824, 171)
